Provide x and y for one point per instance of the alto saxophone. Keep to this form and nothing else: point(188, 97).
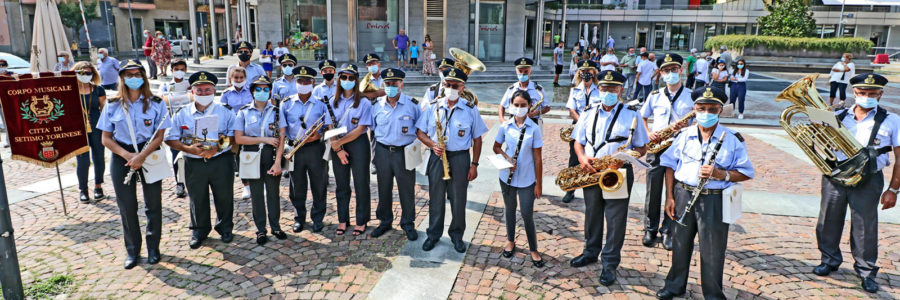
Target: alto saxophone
point(610, 180)
point(441, 141)
point(666, 136)
point(565, 134)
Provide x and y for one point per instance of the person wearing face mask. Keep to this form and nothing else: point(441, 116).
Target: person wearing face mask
point(206, 166)
point(582, 96)
point(133, 125)
point(839, 77)
point(665, 106)
point(253, 71)
point(109, 70)
point(326, 90)
point(739, 86)
point(609, 61)
point(308, 169)
point(394, 118)
point(645, 71)
point(63, 62)
point(720, 75)
point(879, 132)
point(462, 127)
point(148, 53)
point(373, 66)
point(285, 86)
point(536, 91)
point(605, 128)
point(4, 68)
point(93, 98)
point(176, 94)
point(162, 52)
point(234, 97)
point(259, 131)
point(523, 141)
point(686, 164)
point(436, 90)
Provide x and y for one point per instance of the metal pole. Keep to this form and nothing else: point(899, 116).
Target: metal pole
point(131, 25)
point(10, 277)
point(562, 34)
point(195, 49)
point(212, 27)
point(228, 33)
point(109, 25)
point(62, 197)
point(477, 51)
point(84, 21)
point(840, 31)
point(539, 33)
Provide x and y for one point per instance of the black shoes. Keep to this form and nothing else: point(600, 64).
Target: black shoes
point(298, 227)
point(84, 198)
point(824, 269)
point(568, 197)
point(411, 234)
point(666, 294)
point(261, 238)
point(607, 277)
point(227, 238)
point(318, 226)
point(131, 262)
point(649, 239)
point(98, 194)
point(196, 241)
point(279, 234)
point(667, 241)
point(429, 244)
point(869, 285)
point(179, 191)
point(153, 256)
point(508, 254)
point(537, 263)
point(380, 230)
point(459, 246)
point(581, 261)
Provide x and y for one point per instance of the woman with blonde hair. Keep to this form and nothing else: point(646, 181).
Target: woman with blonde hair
point(93, 98)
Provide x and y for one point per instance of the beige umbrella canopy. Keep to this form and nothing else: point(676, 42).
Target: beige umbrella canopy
point(48, 38)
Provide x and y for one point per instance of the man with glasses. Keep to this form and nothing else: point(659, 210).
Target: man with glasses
point(109, 70)
point(462, 129)
point(253, 71)
point(285, 86)
point(373, 65)
point(536, 91)
point(436, 90)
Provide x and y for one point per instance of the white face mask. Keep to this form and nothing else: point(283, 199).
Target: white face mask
point(452, 94)
point(204, 100)
point(304, 89)
point(178, 74)
point(85, 78)
point(518, 111)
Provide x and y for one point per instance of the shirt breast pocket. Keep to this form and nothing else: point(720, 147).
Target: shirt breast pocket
point(407, 126)
point(691, 153)
point(461, 130)
point(883, 138)
point(660, 112)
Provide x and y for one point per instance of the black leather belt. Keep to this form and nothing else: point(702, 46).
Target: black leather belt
point(392, 148)
point(691, 189)
point(291, 142)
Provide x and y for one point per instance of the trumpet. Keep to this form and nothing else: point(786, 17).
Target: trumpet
point(667, 135)
point(610, 180)
point(303, 139)
point(441, 142)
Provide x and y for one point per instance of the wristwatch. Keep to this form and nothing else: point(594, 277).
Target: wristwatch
point(475, 163)
point(893, 190)
point(727, 175)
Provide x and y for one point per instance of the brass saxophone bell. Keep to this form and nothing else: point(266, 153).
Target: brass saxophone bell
point(366, 86)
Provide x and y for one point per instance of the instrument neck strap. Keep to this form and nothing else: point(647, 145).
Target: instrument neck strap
point(587, 96)
point(449, 117)
point(677, 94)
point(515, 157)
point(609, 128)
point(880, 116)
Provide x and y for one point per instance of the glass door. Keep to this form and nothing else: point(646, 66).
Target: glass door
point(376, 26)
point(491, 30)
point(681, 37)
point(659, 35)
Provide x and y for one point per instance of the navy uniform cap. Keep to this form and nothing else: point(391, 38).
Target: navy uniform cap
point(203, 77)
point(327, 64)
point(393, 74)
point(372, 57)
point(611, 78)
point(261, 80)
point(709, 95)
point(446, 62)
point(349, 68)
point(288, 58)
point(670, 59)
point(130, 64)
point(305, 72)
point(455, 74)
point(587, 64)
point(868, 81)
point(246, 45)
point(523, 62)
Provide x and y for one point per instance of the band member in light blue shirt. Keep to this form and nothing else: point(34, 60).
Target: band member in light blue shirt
point(524, 83)
point(285, 86)
point(326, 90)
point(583, 93)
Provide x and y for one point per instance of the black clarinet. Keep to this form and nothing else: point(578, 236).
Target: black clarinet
point(703, 181)
point(516, 154)
point(330, 111)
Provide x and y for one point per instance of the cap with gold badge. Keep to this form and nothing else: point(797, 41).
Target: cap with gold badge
point(203, 77)
point(587, 64)
point(868, 81)
point(391, 74)
point(611, 78)
point(709, 95)
point(327, 64)
point(669, 59)
point(304, 72)
point(245, 45)
point(455, 74)
point(130, 64)
point(446, 62)
point(523, 62)
point(372, 57)
point(349, 68)
point(288, 58)
point(261, 80)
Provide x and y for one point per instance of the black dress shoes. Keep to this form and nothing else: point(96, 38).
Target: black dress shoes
point(649, 239)
point(824, 269)
point(429, 244)
point(227, 238)
point(411, 234)
point(537, 263)
point(196, 241)
point(667, 241)
point(508, 254)
point(153, 256)
point(298, 227)
point(869, 285)
point(568, 197)
point(318, 226)
point(131, 262)
point(279, 234)
point(607, 277)
point(459, 246)
point(179, 191)
point(98, 194)
point(84, 198)
point(380, 230)
point(582, 260)
point(261, 238)
point(666, 294)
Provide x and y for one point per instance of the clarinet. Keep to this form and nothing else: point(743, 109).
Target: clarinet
point(516, 154)
point(703, 181)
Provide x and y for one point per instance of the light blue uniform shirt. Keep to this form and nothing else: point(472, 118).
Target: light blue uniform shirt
point(112, 119)
point(299, 115)
point(395, 126)
point(663, 111)
point(350, 117)
point(252, 70)
point(591, 129)
point(235, 98)
point(579, 97)
point(284, 88)
point(377, 82)
point(524, 175)
point(109, 70)
point(686, 154)
point(323, 90)
point(535, 94)
point(183, 124)
point(888, 133)
point(465, 123)
point(249, 119)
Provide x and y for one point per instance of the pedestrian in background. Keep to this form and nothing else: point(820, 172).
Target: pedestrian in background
point(701, 70)
point(557, 62)
point(148, 53)
point(109, 70)
point(63, 62)
point(645, 73)
point(93, 98)
point(162, 53)
point(428, 67)
point(840, 75)
point(739, 86)
point(265, 59)
point(726, 56)
point(413, 56)
point(629, 69)
point(720, 75)
point(610, 42)
point(401, 43)
point(609, 61)
point(690, 64)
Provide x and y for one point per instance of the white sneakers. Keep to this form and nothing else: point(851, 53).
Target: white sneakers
point(740, 116)
point(246, 194)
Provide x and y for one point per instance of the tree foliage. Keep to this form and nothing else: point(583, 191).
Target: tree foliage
point(70, 14)
point(789, 18)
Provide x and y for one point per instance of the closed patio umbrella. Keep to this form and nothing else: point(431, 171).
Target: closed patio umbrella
point(48, 37)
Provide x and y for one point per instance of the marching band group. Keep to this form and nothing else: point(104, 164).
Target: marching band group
point(261, 129)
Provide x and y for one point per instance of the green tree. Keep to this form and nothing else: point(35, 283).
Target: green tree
point(790, 18)
point(70, 13)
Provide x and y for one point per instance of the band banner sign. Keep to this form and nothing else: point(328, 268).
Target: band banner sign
point(44, 117)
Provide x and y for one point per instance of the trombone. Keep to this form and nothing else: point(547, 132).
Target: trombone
point(304, 139)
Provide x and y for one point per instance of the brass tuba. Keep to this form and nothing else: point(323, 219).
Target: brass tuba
point(610, 180)
point(467, 63)
point(821, 142)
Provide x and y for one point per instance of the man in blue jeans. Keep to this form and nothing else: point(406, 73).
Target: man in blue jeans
point(401, 42)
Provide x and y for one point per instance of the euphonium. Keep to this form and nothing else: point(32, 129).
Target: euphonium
point(610, 180)
point(467, 63)
point(667, 135)
point(821, 142)
point(366, 86)
point(565, 134)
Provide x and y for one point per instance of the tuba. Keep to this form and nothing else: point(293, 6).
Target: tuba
point(667, 135)
point(467, 63)
point(821, 142)
point(610, 180)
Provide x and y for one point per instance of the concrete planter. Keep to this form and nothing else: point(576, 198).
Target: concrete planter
point(763, 51)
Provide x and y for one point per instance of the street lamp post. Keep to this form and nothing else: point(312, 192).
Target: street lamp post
point(840, 31)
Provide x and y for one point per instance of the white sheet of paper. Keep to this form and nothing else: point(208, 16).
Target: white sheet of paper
point(413, 155)
point(210, 123)
point(732, 207)
point(633, 161)
point(499, 162)
point(821, 116)
point(335, 132)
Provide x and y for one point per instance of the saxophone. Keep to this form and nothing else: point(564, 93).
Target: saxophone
point(565, 134)
point(667, 135)
point(441, 142)
point(610, 180)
